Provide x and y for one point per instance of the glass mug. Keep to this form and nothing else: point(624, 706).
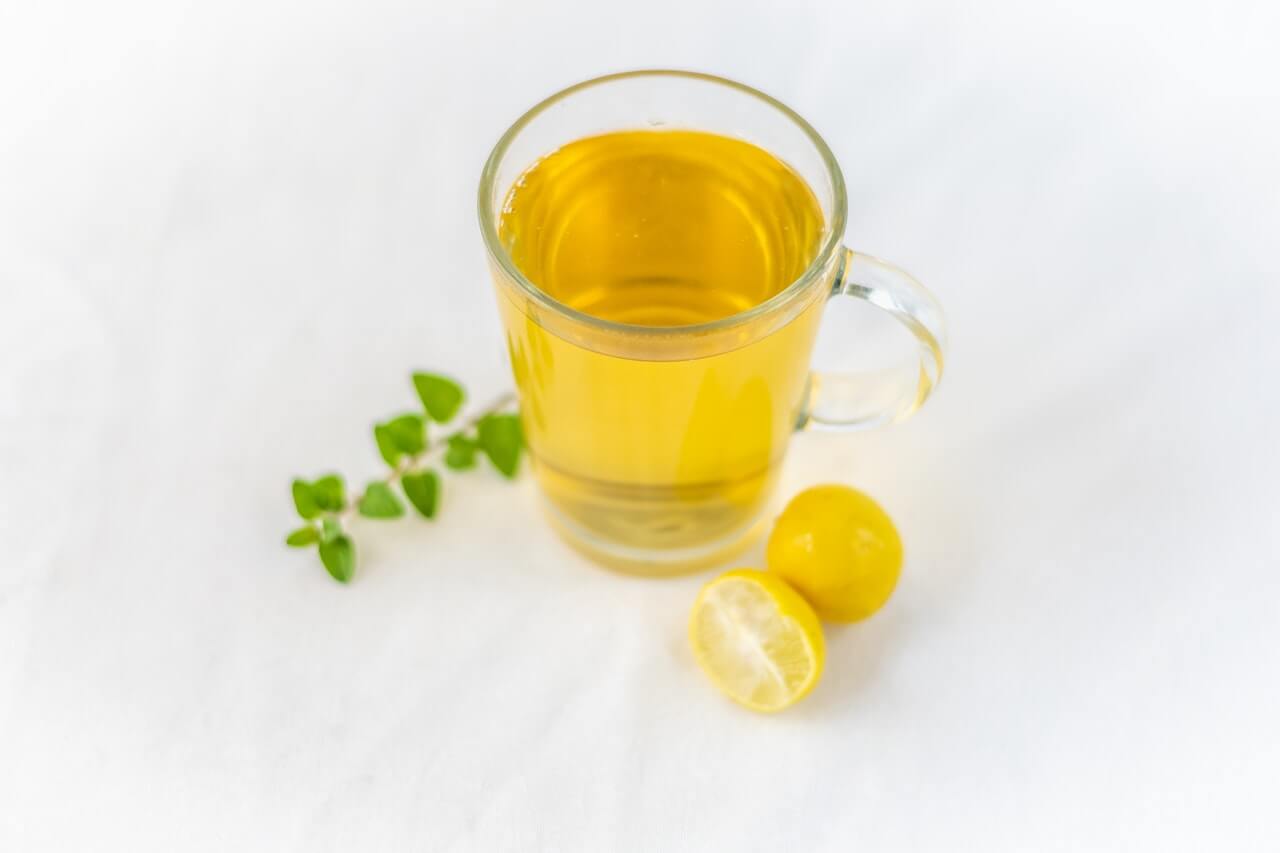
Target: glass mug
point(657, 447)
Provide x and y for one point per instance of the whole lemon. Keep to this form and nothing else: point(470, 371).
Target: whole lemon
point(839, 549)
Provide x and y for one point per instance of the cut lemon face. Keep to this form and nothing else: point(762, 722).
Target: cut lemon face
point(757, 639)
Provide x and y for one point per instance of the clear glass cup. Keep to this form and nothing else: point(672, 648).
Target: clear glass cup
point(657, 448)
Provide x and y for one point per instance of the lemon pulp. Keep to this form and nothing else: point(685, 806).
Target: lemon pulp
point(757, 639)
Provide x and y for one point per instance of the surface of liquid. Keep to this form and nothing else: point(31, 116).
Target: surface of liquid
point(661, 228)
point(648, 451)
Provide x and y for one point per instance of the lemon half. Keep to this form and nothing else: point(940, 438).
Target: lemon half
point(757, 639)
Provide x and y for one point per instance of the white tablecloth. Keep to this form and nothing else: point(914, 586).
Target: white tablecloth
point(229, 231)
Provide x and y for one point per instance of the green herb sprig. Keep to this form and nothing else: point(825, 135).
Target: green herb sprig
point(405, 444)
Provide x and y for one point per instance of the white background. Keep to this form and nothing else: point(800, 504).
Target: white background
point(228, 231)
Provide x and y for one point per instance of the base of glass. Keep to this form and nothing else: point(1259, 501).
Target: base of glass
point(654, 562)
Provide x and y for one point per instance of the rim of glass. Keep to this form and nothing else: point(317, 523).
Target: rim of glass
point(488, 222)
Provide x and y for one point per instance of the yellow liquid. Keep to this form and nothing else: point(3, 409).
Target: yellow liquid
point(661, 449)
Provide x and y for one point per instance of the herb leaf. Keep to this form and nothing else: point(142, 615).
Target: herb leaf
point(303, 500)
point(441, 396)
point(501, 440)
point(339, 557)
point(330, 529)
point(386, 445)
point(302, 537)
point(422, 488)
point(328, 493)
point(408, 433)
point(461, 453)
point(379, 501)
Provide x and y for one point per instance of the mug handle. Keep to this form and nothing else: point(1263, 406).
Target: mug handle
point(851, 400)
